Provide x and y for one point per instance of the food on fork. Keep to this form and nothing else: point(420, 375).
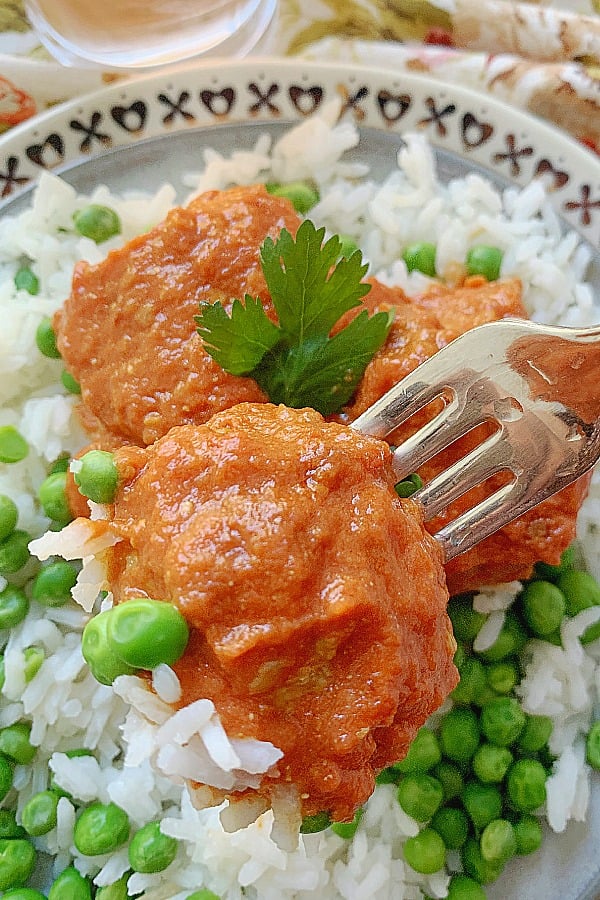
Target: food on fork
point(140, 303)
point(422, 325)
point(315, 599)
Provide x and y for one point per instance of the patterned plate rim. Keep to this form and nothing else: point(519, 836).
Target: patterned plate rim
point(475, 127)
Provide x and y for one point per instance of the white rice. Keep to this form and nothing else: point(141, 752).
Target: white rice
point(132, 732)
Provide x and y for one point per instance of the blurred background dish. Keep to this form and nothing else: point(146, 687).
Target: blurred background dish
point(127, 34)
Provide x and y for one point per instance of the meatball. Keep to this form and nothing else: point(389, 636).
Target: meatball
point(127, 330)
point(423, 325)
point(315, 597)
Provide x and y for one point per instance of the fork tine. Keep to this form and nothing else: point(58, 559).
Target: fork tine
point(401, 402)
point(452, 423)
point(477, 523)
point(537, 382)
point(488, 458)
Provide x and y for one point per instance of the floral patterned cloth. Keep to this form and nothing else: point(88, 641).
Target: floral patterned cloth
point(535, 56)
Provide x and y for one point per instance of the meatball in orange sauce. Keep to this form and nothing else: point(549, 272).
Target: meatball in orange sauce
point(423, 325)
point(127, 330)
point(315, 597)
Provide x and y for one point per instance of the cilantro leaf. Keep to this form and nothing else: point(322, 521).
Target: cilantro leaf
point(237, 342)
point(324, 372)
point(308, 294)
point(296, 362)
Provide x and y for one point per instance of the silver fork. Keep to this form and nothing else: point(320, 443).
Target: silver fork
point(538, 385)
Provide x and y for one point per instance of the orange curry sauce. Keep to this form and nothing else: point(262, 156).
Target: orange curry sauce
point(317, 599)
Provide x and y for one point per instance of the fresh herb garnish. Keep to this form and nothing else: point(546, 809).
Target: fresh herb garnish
point(296, 362)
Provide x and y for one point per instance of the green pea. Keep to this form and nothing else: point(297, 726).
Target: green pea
point(472, 681)
point(78, 752)
point(460, 655)
point(313, 824)
point(45, 339)
point(9, 827)
point(17, 862)
point(39, 813)
point(552, 573)
point(535, 734)
point(53, 497)
point(15, 743)
point(97, 651)
point(423, 753)
point(591, 633)
point(452, 826)
point(526, 784)
point(420, 795)
point(554, 638)
point(425, 852)
point(528, 834)
point(483, 803)
point(70, 383)
point(484, 260)
point(27, 280)
point(14, 606)
point(462, 887)
point(459, 734)
point(510, 641)
point(150, 850)
point(61, 464)
point(97, 477)
point(115, 891)
point(302, 195)
point(390, 775)
point(498, 842)
point(347, 830)
point(33, 657)
point(592, 746)
point(466, 621)
point(348, 246)
point(420, 256)
point(203, 894)
point(502, 721)
point(502, 676)
point(478, 868)
point(450, 778)
point(99, 223)
point(6, 777)
point(70, 885)
point(9, 515)
point(543, 605)
point(409, 486)
point(101, 828)
point(14, 552)
point(581, 591)
point(491, 763)
point(24, 893)
point(53, 584)
point(13, 446)
point(145, 633)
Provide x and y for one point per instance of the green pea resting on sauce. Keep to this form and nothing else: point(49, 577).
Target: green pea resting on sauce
point(137, 634)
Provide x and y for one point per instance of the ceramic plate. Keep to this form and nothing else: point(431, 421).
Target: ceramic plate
point(148, 130)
